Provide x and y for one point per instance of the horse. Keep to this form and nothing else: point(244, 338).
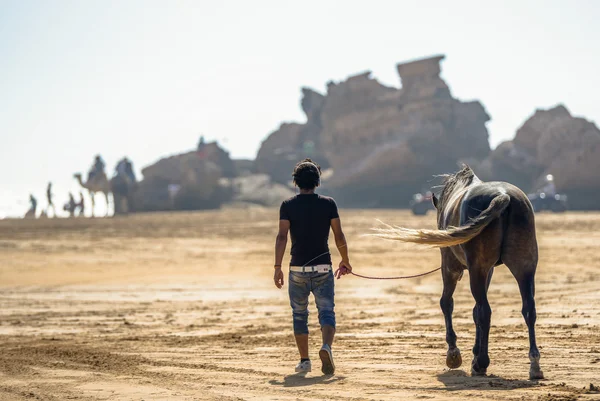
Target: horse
point(481, 225)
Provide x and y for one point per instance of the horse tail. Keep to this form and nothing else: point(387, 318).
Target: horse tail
point(452, 235)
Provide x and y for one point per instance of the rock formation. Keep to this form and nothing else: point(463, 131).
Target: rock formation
point(385, 143)
point(260, 189)
point(382, 143)
point(211, 151)
point(189, 181)
point(292, 142)
point(244, 166)
point(551, 142)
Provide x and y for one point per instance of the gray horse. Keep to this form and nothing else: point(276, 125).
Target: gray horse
point(481, 225)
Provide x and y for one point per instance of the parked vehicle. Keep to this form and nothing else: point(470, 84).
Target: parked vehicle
point(421, 203)
point(540, 202)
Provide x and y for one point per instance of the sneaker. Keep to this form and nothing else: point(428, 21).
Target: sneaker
point(304, 367)
point(326, 356)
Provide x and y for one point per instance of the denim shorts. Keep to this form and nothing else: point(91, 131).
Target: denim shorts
point(322, 287)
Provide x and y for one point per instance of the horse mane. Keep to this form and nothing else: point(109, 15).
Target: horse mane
point(453, 182)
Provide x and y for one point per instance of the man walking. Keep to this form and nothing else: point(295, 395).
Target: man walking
point(81, 204)
point(33, 201)
point(308, 216)
point(49, 197)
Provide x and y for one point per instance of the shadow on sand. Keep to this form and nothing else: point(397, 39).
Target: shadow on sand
point(300, 380)
point(459, 380)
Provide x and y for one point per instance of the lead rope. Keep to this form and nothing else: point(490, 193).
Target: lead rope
point(394, 278)
point(372, 277)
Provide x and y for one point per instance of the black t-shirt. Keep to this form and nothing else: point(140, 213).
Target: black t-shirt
point(310, 217)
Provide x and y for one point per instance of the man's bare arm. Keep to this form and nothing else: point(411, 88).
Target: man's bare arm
point(342, 246)
point(281, 241)
point(280, 244)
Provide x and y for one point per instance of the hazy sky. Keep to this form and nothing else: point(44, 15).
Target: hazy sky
point(146, 78)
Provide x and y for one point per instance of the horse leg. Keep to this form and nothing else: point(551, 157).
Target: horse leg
point(482, 314)
point(520, 255)
point(527, 287)
point(107, 203)
point(451, 273)
point(93, 202)
point(477, 330)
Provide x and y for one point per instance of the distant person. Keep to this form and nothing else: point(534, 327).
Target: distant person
point(71, 205)
point(49, 198)
point(81, 204)
point(201, 143)
point(97, 168)
point(120, 170)
point(549, 187)
point(201, 148)
point(33, 202)
point(33, 208)
point(125, 169)
point(308, 216)
point(129, 170)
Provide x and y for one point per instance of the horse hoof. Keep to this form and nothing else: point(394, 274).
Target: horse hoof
point(536, 374)
point(453, 358)
point(476, 371)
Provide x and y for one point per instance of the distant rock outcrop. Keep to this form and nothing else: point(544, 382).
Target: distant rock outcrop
point(189, 181)
point(260, 189)
point(382, 143)
point(211, 151)
point(551, 142)
point(292, 142)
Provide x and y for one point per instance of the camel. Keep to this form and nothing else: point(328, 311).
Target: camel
point(99, 183)
point(122, 188)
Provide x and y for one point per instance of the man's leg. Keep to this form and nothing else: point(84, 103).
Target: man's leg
point(299, 290)
point(323, 290)
point(328, 332)
point(302, 343)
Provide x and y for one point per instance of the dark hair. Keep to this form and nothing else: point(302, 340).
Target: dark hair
point(307, 174)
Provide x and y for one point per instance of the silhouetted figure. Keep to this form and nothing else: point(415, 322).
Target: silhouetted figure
point(71, 205)
point(97, 168)
point(129, 170)
point(125, 169)
point(81, 204)
point(201, 148)
point(49, 198)
point(31, 212)
point(33, 203)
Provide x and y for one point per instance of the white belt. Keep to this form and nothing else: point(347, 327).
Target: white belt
point(311, 269)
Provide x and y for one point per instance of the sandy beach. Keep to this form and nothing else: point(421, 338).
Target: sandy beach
point(182, 306)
